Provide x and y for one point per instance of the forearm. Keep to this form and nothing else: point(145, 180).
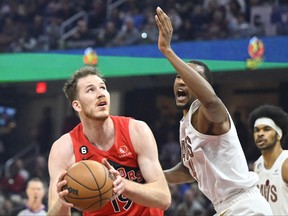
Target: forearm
point(178, 174)
point(155, 194)
point(58, 209)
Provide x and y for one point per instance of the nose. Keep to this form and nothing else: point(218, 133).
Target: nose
point(260, 133)
point(100, 95)
point(179, 82)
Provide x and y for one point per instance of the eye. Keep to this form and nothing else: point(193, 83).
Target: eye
point(90, 89)
point(256, 130)
point(103, 87)
point(267, 128)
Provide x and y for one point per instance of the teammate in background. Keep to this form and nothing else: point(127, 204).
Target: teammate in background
point(269, 125)
point(211, 151)
point(125, 143)
point(35, 192)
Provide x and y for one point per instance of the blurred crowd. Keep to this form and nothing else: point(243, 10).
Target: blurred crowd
point(13, 183)
point(42, 25)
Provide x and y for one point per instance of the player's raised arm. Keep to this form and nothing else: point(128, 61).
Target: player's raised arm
point(214, 109)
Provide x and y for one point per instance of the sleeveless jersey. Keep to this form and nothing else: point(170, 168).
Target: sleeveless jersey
point(217, 163)
point(271, 184)
point(123, 158)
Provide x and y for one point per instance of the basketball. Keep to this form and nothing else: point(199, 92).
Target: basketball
point(89, 185)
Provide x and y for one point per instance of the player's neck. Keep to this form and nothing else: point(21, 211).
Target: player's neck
point(100, 135)
point(271, 156)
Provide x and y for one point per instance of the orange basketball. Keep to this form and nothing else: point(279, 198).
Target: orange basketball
point(89, 185)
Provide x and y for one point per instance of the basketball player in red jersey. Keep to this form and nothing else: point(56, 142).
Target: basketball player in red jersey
point(126, 146)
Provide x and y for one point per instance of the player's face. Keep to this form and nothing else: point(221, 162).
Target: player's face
point(93, 98)
point(183, 95)
point(265, 137)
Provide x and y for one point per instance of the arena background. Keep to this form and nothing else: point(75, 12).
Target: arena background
point(140, 83)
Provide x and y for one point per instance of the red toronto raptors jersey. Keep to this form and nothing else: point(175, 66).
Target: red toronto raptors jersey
point(123, 158)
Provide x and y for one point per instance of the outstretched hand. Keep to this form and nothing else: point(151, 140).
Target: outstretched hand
point(165, 29)
point(118, 183)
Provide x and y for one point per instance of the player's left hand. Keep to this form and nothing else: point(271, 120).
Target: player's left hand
point(118, 183)
point(165, 29)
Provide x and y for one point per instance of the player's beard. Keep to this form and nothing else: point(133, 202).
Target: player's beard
point(99, 116)
point(185, 106)
point(270, 145)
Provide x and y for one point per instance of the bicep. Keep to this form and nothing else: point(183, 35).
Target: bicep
point(215, 111)
point(147, 153)
point(213, 120)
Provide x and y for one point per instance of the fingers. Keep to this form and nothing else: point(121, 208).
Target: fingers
point(159, 11)
point(106, 164)
point(118, 183)
point(157, 17)
point(61, 181)
point(162, 17)
point(62, 189)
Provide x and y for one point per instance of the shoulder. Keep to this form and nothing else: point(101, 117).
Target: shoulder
point(138, 126)
point(285, 171)
point(64, 141)
point(141, 135)
point(62, 149)
point(256, 165)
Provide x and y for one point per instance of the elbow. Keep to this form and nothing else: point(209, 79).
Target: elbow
point(166, 202)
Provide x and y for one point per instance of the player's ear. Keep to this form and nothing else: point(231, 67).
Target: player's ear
point(76, 105)
point(278, 137)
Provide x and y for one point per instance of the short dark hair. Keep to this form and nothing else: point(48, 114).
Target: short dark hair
point(207, 72)
point(278, 115)
point(70, 87)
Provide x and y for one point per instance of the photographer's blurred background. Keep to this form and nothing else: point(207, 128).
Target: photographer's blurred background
point(31, 119)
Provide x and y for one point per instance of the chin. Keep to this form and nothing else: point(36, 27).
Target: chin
point(183, 106)
point(102, 117)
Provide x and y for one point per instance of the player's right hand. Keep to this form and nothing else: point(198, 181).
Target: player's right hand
point(62, 189)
